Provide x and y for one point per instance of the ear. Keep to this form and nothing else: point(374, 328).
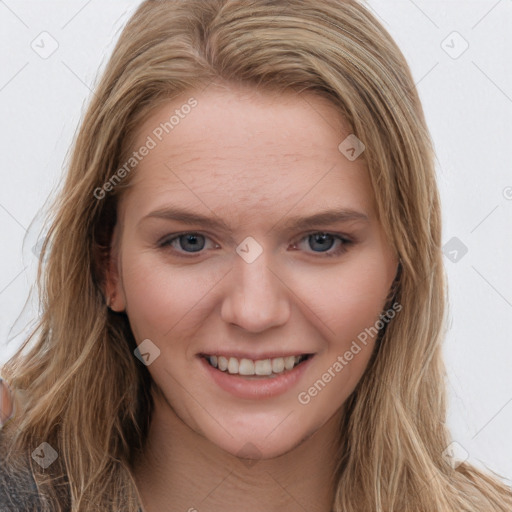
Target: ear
point(114, 290)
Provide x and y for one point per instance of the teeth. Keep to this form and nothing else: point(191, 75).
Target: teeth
point(278, 365)
point(246, 367)
point(289, 362)
point(233, 365)
point(263, 367)
point(250, 367)
point(223, 363)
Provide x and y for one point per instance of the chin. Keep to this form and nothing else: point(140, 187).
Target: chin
point(265, 443)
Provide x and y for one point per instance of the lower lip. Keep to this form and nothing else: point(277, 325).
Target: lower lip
point(260, 388)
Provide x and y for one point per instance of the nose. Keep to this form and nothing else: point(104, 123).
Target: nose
point(256, 297)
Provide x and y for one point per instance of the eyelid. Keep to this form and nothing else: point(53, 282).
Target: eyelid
point(334, 234)
point(166, 241)
point(346, 241)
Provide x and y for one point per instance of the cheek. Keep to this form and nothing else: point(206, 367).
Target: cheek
point(159, 296)
point(347, 313)
point(347, 310)
point(349, 299)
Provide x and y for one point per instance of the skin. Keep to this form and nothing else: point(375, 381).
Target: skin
point(254, 159)
point(6, 403)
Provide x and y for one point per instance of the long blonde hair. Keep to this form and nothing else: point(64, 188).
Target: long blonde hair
point(86, 394)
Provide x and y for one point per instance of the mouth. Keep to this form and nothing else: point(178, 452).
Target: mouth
point(256, 369)
point(255, 379)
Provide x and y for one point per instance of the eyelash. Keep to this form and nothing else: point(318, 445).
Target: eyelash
point(343, 247)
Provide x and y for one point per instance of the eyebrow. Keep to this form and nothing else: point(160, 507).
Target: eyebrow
point(293, 223)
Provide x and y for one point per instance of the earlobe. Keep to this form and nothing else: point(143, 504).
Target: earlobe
point(114, 294)
point(115, 304)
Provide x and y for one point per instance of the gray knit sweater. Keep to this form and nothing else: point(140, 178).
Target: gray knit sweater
point(18, 491)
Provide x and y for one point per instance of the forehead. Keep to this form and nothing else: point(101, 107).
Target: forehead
point(247, 148)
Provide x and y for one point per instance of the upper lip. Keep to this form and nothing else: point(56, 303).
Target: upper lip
point(253, 355)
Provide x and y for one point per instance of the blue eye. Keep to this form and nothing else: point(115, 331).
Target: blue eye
point(193, 243)
point(326, 241)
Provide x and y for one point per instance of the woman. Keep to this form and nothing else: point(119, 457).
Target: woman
point(243, 297)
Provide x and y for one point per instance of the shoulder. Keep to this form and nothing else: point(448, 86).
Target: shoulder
point(18, 490)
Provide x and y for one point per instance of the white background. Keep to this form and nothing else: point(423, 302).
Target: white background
point(468, 104)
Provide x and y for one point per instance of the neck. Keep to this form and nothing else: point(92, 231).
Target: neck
point(183, 470)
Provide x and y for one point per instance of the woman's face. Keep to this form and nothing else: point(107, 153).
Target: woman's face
point(219, 252)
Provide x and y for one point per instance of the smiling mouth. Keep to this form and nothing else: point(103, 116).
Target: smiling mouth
point(256, 368)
